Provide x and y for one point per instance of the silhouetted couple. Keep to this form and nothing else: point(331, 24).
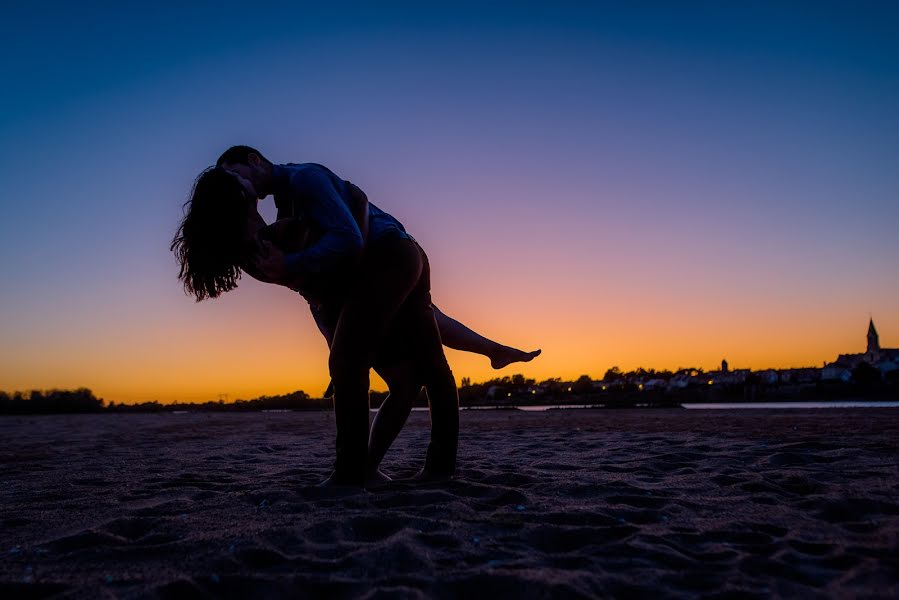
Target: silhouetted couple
point(367, 282)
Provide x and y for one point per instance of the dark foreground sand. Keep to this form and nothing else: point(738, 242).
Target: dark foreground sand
point(588, 503)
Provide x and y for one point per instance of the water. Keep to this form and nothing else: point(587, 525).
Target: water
point(827, 404)
point(706, 405)
point(692, 406)
point(522, 408)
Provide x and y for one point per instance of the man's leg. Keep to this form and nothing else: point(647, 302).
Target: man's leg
point(390, 270)
point(443, 397)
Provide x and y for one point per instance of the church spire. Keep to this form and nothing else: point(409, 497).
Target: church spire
point(873, 338)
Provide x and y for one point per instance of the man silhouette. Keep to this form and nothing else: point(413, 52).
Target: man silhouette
point(384, 271)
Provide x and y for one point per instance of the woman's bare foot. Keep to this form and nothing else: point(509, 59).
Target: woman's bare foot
point(377, 478)
point(506, 355)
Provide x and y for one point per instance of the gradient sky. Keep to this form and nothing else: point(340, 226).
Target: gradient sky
point(633, 184)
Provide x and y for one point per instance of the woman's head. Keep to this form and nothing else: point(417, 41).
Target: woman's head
point(209, 242)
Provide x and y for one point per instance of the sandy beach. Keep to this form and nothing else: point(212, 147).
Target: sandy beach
point(580, 503)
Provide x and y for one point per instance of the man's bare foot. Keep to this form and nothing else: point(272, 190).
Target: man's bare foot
point(335, 481)
point(506, 355)
point(426, 476)
point(377, 478)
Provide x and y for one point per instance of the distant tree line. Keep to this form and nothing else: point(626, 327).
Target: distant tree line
point(298, 400)
point(81, 400)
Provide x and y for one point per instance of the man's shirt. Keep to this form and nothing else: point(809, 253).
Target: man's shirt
point(312, 191)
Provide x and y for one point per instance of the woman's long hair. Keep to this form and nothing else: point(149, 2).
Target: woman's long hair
point(210, 239)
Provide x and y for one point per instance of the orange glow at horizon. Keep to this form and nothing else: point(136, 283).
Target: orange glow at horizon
point(260, 340)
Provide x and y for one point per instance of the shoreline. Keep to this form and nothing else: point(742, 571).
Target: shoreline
point(847, 404)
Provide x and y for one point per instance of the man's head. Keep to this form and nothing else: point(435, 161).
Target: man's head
point(253, 170)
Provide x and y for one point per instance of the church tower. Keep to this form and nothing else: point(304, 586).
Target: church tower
point(873, 339)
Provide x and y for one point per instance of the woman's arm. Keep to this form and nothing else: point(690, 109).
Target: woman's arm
point(255, 254)
point(255, 222)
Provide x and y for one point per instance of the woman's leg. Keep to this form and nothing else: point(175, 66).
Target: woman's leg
point(457, 336)
point(454, 335)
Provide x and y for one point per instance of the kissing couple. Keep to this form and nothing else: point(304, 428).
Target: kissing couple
point(368, 285)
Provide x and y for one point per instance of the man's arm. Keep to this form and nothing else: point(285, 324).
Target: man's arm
point(341, 242)
point(360, 208)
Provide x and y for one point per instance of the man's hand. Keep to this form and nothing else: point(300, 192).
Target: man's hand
point(269, 262)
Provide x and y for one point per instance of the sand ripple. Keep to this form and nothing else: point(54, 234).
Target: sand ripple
point(659, 503)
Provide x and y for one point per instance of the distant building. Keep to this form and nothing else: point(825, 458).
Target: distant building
point(884, 359)
point(769, 377)
point(655, 384)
